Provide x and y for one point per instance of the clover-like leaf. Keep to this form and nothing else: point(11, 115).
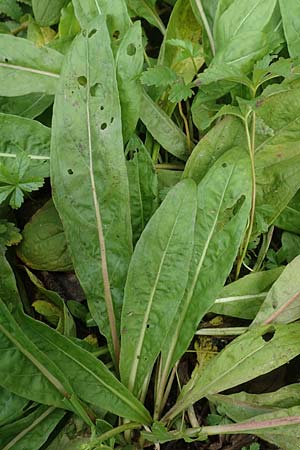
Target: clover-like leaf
point(15, 180)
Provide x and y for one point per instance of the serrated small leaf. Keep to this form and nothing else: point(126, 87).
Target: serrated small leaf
point(179, 92)
point(11, 9)
point(159, 76)
point(9, 234)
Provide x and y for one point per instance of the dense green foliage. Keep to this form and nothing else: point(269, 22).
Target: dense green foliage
point(152, 149)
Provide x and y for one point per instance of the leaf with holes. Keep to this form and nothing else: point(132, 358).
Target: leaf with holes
point(90, 191)
point(250, 355)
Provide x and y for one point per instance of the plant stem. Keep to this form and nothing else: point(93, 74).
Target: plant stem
point(233, 331)
point(115, 431)
point(186, 126)
point(206, 26)
point(170, 166)
point(155, 153)
point(251, 147)
point(22, 27)
point(267, 238)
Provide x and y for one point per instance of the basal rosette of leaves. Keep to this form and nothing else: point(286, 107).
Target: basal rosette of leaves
point(149, 223)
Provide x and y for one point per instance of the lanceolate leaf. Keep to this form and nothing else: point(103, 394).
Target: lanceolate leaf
point(24, 68)
point(250, 355)
point(282, 302)
point(163, 129)
point(31, 431)
point(31, 105)
point(89, 179)
point(155, 284)
point(11, 406)
point(147, 10)
point(89, 377)
point(129, 61)
point(290, 12)
point(39, 379)
point(223, 208)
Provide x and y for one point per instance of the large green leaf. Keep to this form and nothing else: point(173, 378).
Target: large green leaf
point(289, 219)
point(44, 245)
point(11, 406)
point(155, 283)
point(129, 61)
point(246, 31)
point(90, 191)
point(47, 13)
point(89, 377)
point(163, 129)
point(24, 68)
point(223, 208)
point(243, 297)
point(25, 137)
point(290, 12)
point(31, 431)
point(282, 302)
point(250, 355)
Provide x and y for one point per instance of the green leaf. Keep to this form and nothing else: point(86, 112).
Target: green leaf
point(90, 378)
point(143, 186)
point(205, 11)
point(290, 247)
point(15, 180)
point(9, 234)
point(180, 92)
point(31, 431)
point(223, 208)
point(68, 24)
point(30, 106)
point(244, 31)
point(163, 129)
point(129, 62)
point(282, 302)
point(11, 9)
point(158, 76)
point(116, 10)
point(44, 245)
point(11, 406)
point(90, 191)
point(252, 354)
point(47, 13)
point(147, 10)
point(290, 10)
point(244, 406)
point(26, 139)
point(243, 297)
point(182, 28)
point(289, 219)
point(24, 68)
point(152, 296)
point(39, 378)
point(54, 307)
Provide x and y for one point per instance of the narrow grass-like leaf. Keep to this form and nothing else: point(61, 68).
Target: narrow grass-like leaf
point(250, 355)
point(155, 284)
point(129, 61)
point(90, 191)
point(24, 68)
point(163, 129)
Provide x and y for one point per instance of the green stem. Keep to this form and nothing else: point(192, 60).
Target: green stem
point(232, 331)
point(267, 238)
point(115, 431)
point(251, 147)
point(155, 153)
